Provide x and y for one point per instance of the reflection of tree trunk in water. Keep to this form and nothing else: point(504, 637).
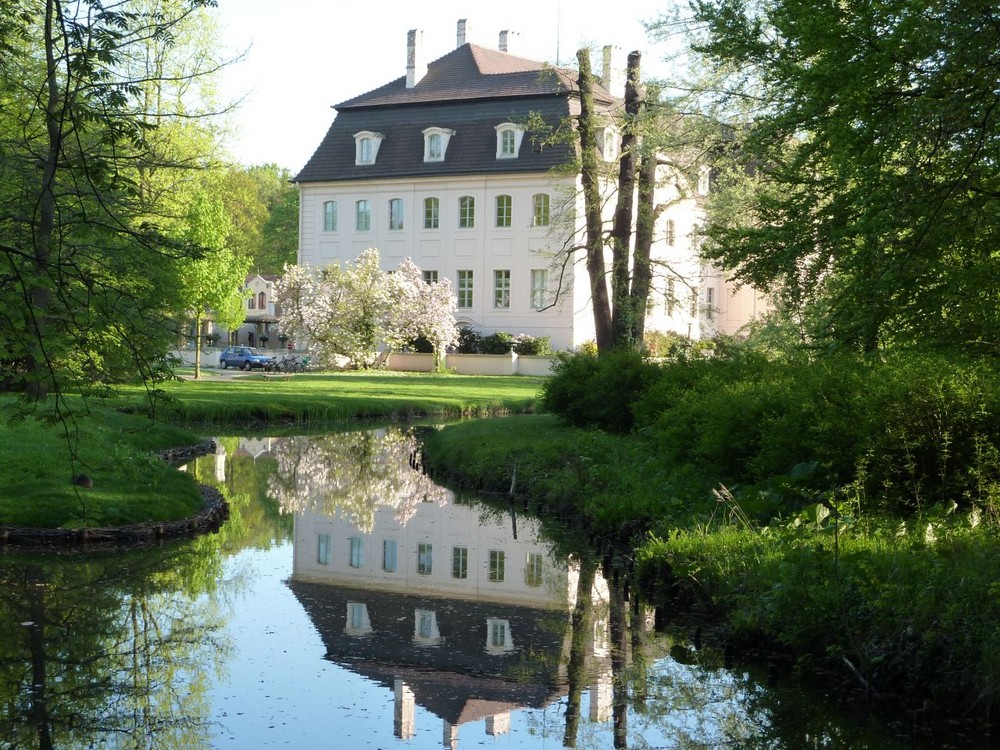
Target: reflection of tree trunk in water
point(580, 630)
point(640, 683)
point(619, 655)
point(39, 711)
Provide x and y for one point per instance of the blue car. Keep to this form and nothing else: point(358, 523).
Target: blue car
point(245, 357)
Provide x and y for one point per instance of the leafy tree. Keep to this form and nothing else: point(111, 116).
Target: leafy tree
point(213, 282)
point(868, 168)
point(348, 312)
point(88, 276)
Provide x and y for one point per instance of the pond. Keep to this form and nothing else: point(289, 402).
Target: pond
point(351, 602)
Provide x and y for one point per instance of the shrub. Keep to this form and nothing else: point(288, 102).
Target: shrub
point(525, 344)
point(468, 341)
point(598, 391)
point(500, 342)
point(420, 344)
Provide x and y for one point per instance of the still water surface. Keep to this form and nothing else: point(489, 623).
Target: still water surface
point(350, 602)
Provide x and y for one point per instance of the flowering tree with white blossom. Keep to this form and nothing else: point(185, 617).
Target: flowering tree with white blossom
point(347, 313)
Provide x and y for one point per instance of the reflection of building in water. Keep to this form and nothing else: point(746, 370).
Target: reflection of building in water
point(448, 609)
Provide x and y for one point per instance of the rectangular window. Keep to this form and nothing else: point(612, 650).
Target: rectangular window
point(363, 213)
point(694, 302)
point(540, 210)
point(671, 295)
point(496, 565)
point(507, 143)
point(396, 213)
point(539, 288)
point(389, 555)
point(430, 277)
point(357, 553)
point(459, 562)
point(323, 549)
point(465, 289)
point(466, 212)
point(434, 147)
point(424, 559)
point(504, 204)
point(330, 216)
point(533, 569)
point(710, 303)
point(432, 213)
point(671, 233)
point(498, 633)
point(501, 288)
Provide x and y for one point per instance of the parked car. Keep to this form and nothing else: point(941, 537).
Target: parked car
point(242, 356)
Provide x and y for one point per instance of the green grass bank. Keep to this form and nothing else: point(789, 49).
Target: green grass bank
point(899, 600)
point(113, 441)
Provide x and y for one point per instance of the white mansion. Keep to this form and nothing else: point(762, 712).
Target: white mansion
point(440, 166)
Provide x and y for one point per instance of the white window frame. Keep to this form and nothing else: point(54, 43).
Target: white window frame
point(540, 210)
point(504, 206)
point(466, 212)
point(432, 212)
point(366, 146)
point(509, 137)
point(425, 558)
point(464, 288)
point(670, 232)
point(460, 562)
point(430, 276)
point(498, 566)
point(539, 288)
point(329, 216)
point(439, 136)
point(533, 569)
point(501, 288)
point(396, 211)
point(608, 143)
point(366, 214)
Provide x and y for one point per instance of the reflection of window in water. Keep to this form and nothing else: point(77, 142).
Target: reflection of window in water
point(424, 559)
point(498, 638)
point(459, 562)
point(425, 627)
point(496, 565)
point(389, 555)
point(357, 619)
point(601, 642)
point(533, 569)
point(323, 549)
point(357, 551)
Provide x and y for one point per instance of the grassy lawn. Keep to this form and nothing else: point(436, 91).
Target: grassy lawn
point(329, 397)
point(131, 485)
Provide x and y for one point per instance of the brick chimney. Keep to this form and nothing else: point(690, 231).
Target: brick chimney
point(461, 37)
point(416, 68)
point(510, 41)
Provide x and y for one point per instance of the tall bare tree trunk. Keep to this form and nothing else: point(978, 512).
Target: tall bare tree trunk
point(642, 269)
point(624, 310)
point(592, 207)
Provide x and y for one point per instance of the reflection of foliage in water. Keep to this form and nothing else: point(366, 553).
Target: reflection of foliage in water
point(109, 649)
point(254, 519)
point(353, 474)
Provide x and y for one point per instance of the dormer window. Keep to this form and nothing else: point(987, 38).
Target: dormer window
point(704, 174)
point(436, 143)
point(607, 142)
point(509, 138)
point(366, 145)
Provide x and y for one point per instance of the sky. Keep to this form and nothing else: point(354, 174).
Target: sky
point(304, 56)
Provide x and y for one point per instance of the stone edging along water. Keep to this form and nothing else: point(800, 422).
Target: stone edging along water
point(214, 511)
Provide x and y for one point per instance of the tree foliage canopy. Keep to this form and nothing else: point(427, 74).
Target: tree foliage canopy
point(349, 312)
point(866, 180)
